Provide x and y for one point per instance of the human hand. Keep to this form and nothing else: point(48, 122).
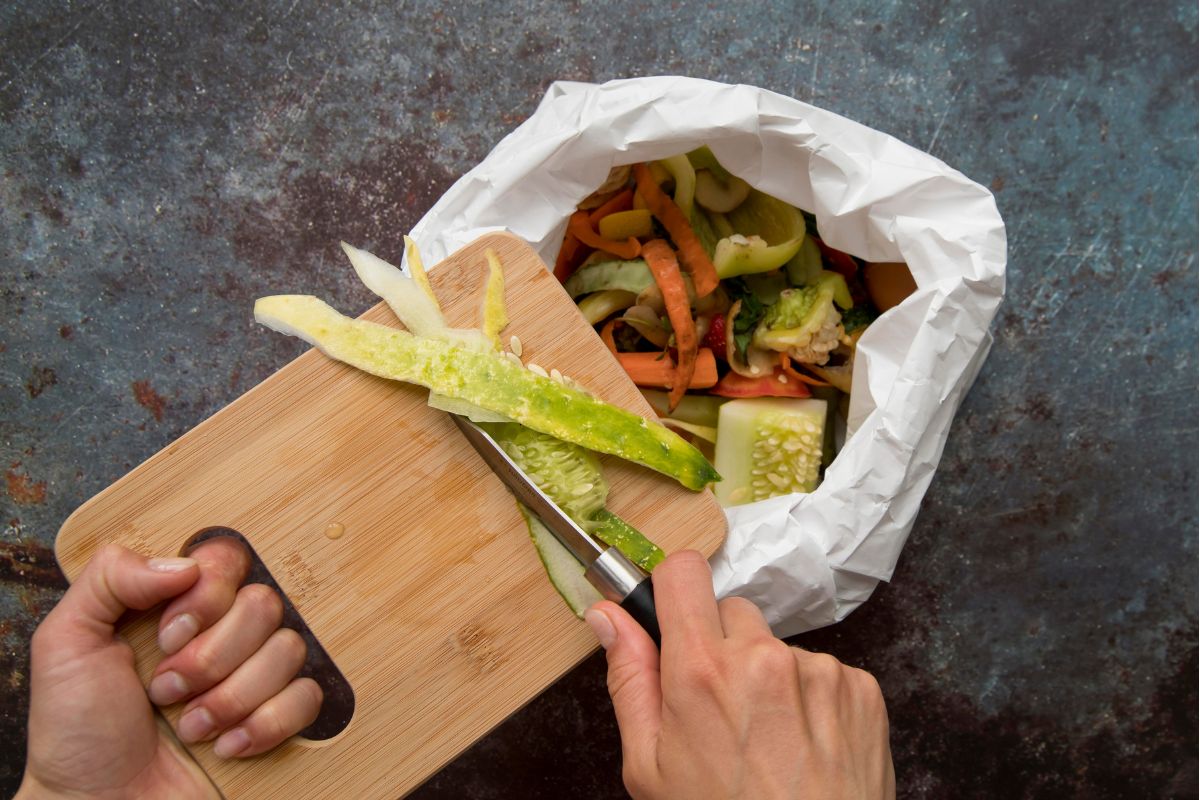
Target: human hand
point(727, 710)
point(92, 729)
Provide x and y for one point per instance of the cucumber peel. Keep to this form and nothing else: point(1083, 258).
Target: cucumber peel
point(630, 276)
point(616, 532)
point(490, 381)
point(564, 570)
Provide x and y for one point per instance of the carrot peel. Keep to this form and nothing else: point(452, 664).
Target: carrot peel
point(581, 228)
point(568, 257)
point(606, 335)
point(622, 201)
point(691, 253)
point(665, 268)
point(786, 362)
point(658, 371)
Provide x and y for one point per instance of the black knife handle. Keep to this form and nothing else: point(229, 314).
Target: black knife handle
point(620, 580)
point(640, 605)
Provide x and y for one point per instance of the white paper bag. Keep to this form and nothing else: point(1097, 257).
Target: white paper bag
point(806, 560)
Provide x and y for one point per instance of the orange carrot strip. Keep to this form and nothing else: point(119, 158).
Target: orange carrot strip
point(606, 335)
point(581, 228)
point(786, 362)
point(665, 268)
point(691, 252)
point(568, 257)
point(658, 371)
point(622, 201)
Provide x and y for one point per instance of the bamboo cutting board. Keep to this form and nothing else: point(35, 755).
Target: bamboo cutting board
point(433, 603)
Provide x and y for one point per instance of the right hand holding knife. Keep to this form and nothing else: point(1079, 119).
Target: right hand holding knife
point(727, 710)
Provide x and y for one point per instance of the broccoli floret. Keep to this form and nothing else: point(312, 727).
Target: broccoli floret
point(806, 323)
point(793, 308)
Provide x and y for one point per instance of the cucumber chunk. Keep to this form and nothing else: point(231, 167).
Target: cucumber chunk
point(769, 446)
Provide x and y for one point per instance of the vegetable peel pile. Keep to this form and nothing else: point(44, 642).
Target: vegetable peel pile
point(548, 426)
point(720, 291)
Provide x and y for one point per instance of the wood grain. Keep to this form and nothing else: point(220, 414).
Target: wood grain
point(433, 602)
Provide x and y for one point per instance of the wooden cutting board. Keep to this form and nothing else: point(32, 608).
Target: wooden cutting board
point(433, 603)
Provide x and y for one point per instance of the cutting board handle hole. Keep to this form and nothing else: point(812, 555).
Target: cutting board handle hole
point(338, 706)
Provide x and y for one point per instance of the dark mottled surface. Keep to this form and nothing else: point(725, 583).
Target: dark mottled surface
point(165, 162)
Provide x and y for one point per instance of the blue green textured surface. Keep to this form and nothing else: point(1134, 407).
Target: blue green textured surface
point(166, 163)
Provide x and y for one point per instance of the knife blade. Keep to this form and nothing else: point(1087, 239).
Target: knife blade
point(616, 577)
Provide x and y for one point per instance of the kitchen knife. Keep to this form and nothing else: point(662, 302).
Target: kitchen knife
point(614, 576)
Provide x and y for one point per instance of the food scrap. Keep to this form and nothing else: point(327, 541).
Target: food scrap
point(707, 289)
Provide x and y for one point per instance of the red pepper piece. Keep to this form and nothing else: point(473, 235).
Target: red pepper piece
point(735, 385)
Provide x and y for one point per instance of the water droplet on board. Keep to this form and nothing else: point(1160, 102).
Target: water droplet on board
point(335, 530)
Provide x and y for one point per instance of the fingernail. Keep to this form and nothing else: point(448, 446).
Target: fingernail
point(196, 724)
point(167, 688)
point(178, 632)
point(231, 743)
point(170, 564)
point(601, 626)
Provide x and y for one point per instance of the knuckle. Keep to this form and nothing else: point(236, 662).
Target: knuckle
point(269, 725)
point(866, 683)
point(291, 645)
point(683, 559)
point(202, 662)
point(867, 687)
point(620, 676)
point(734, 602)
point(226, 703)
point(822, 668)
point(263, 600)
point(769, 660)
point(701, 672)
point(226, 554)
point(109, 554)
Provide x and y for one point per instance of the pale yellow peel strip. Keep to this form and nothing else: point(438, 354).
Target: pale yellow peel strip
point(417, 268)
point(495, 315)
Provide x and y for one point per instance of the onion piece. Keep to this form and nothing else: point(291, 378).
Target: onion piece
point(758, 361)
point(650, 325)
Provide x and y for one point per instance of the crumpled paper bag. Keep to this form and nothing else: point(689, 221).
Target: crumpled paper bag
point(805, 560)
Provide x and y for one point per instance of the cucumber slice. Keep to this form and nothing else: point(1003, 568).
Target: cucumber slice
point(769, 446)
point(630, 276)
point(564, 571)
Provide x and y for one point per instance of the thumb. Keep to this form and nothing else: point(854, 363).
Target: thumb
point(113, 582)
point(633, 678)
